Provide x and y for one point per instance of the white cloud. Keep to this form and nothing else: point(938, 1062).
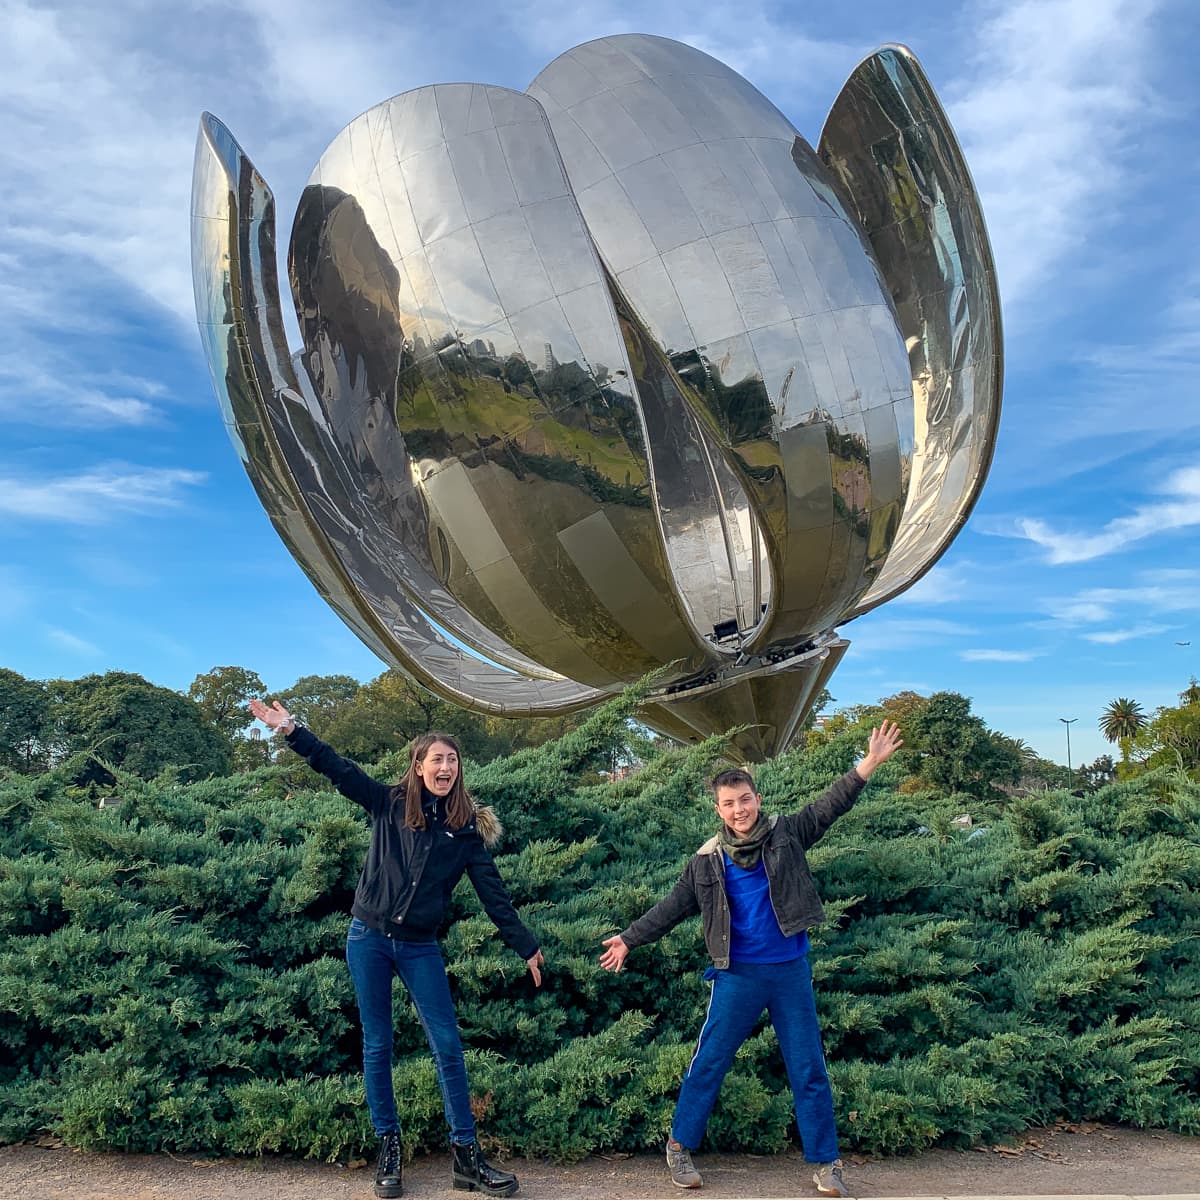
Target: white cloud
point(1000, 656)
point(1164, 593)
point(942, 585)
point(882, 632)
point(1174, 350)
point(1179, 509)
point(1113, 637)
point(1081, 611)
point(1050, 138)
point(68, 641)
point(749, 37)
point(33, 390)
point(97, 495)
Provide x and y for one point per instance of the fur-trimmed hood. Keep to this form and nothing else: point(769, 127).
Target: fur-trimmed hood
point(488, 824)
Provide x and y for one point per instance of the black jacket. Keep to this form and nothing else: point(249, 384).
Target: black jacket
point(395, 894)
point(701, 887)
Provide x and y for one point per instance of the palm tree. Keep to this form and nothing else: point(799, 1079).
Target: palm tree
point(1121, 721)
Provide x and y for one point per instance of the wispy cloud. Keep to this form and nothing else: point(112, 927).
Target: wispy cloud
point(759, 40)
point(1169, 593)
point(1175, 348)
point(1179, 509)
point(38, 387)
point(97, 495)
point(1080, 611)
point(943, 585)
point(1048, 136)
point(883, 633)
point(66, 640)
point(1113, 637)
point(999, 656)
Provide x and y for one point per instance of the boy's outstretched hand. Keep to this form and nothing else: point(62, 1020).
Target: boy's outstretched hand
point(613, 958)
point(885, 741)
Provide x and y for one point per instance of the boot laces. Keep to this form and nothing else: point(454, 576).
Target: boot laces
point(389, 1154)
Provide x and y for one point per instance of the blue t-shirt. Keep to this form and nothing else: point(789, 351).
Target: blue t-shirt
point(754, 934)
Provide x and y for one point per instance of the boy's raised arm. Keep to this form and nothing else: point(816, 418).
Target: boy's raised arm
point(814, 819)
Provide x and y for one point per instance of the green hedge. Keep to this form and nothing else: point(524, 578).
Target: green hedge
point(171, 970)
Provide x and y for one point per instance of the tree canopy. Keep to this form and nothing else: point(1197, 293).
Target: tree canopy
point(314, 700)
point(223, 695)
point(131, 723)
point(25, 731)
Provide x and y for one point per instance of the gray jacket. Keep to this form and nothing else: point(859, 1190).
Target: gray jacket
point(701, 887)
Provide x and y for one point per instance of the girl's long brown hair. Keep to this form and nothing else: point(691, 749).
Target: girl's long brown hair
point(408, 791)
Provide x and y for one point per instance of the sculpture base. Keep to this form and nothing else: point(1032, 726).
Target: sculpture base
point(764, 706)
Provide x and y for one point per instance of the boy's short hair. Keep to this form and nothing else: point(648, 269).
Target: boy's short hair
point(731, 777)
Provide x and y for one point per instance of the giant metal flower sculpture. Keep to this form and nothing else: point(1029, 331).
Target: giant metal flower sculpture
point(613, 375)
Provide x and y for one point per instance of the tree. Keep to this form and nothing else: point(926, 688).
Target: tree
point(137, 726)
point(1037, 774)
point(1172, 738)
point(903, 708)
point(957, 750)
point(24, 723)
point(819, 705)
point(314, 700)
point(385, 714)
point(1097, 773)
point(1122, 721)
point(223, 694)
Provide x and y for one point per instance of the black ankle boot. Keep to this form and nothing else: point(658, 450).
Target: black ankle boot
point(387, 1173)
point(471, 1173)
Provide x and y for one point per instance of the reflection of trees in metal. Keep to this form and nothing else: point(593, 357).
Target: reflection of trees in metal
point(612, 376)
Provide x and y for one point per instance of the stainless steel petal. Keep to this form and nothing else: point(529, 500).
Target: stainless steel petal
point(898, 167)
point(307, 486)
point(735, 251)
point(484, 394)
point(613, 375)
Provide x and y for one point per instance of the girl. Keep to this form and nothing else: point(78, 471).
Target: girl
point(425, 833)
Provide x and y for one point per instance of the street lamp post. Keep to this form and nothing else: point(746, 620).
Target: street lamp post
point(1068, 723)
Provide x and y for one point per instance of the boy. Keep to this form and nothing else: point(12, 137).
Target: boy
point(753, 889)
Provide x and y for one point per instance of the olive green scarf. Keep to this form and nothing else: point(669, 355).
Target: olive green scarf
point(745, 851)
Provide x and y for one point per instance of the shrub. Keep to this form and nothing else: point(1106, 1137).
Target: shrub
point(171, 973)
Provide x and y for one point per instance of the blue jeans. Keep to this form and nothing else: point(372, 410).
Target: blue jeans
point(373, 959)
point(739, 995)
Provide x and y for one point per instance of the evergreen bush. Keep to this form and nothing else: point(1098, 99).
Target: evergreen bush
point(172, 974)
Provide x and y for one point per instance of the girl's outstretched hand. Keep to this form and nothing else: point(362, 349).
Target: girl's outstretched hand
point(275, 717)
point(535, 964)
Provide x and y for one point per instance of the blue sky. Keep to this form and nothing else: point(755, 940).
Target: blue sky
point(130, 538)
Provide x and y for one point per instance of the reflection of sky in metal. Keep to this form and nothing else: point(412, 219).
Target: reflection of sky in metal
point(613, 376)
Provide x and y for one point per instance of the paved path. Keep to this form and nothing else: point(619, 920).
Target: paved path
point(1089, 1162)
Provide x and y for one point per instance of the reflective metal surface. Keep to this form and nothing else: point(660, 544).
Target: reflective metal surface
point(612, 376)
point(895, 160)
